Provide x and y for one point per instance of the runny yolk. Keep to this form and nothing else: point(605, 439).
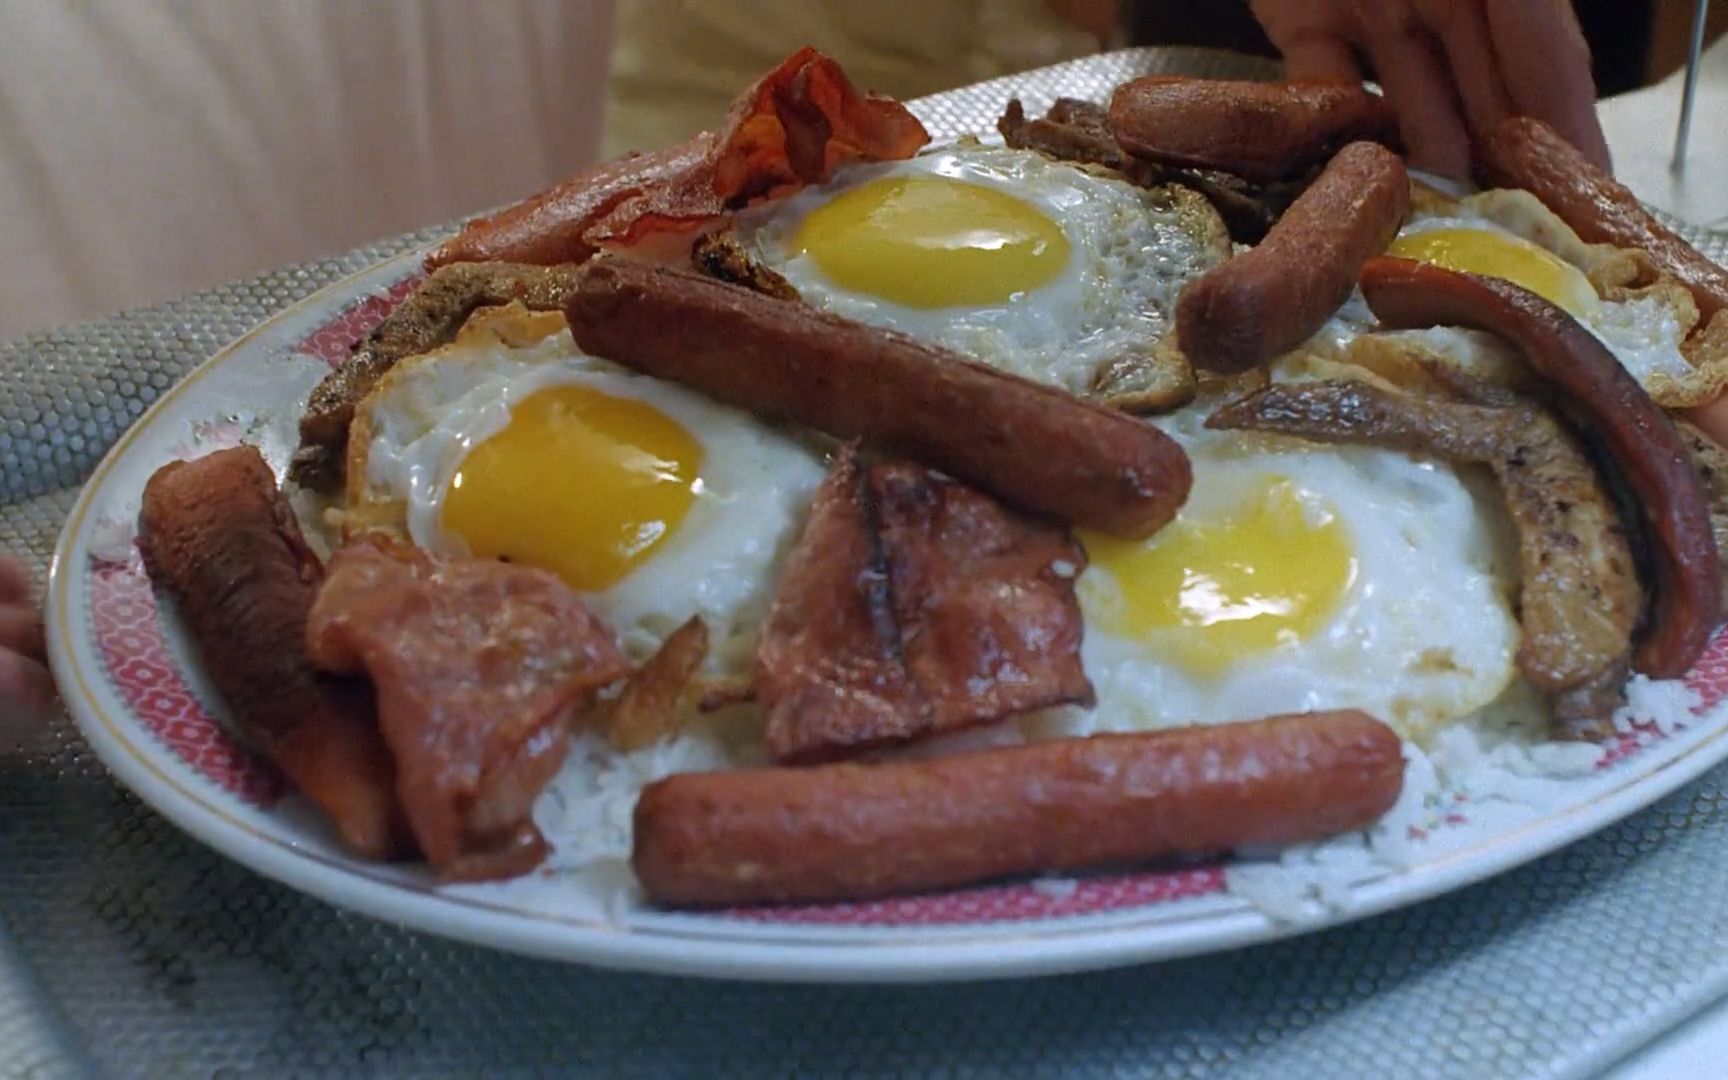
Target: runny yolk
point(581, 483)
point(933, 242)
point(1512, 258)
point(1204, 593)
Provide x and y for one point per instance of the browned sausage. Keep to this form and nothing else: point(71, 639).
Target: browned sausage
point(850, 832)
point(1035, 446)
point(1259, 130)
point(1526, 153)
point(1274, 296)
point(218, 537)
point(1609, 408)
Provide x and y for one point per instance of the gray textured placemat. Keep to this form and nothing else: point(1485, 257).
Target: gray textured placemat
point(144, 953)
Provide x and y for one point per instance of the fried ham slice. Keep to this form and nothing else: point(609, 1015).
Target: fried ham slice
point(1580, 599)
point(220, 540)
point(793, 127)
point(477, 666)
point(914, 606)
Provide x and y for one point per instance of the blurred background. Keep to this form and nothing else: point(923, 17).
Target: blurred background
point(149, 148)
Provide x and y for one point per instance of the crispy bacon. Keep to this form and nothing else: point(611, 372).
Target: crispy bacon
point(914, 606)
point(477, 665)
point(794, 127)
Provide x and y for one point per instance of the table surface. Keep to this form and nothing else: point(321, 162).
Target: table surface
point(1640, 127)
point(129, 950)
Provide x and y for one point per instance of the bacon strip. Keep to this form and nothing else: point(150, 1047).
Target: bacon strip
point(794, 127)
point(1640, 448)
point(219, 539)
point(914, 606)
point(477, 666)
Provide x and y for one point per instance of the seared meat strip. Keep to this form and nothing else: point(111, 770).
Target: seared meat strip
point(719, 255)
point(1711, 462)
point(429, 317)
point(219, 538)
point(1637, 448)
point(477, 665)
point(914, 606)
point(1580, 599)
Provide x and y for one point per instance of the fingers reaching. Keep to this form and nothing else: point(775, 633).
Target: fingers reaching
point(1418, 83)
point(1541, 53)
point(1461, 26)
point(26, 688)
point(21, 631)
point(15, 583)
point(1314, 37)
point(1452, 69)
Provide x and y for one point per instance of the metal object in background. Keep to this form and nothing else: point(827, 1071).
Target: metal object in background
point(1694, 53)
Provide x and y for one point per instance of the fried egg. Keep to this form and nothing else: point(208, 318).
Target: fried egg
point(1035, 266)
point(1301, 577)
point(1511, 235)
point(653, 502)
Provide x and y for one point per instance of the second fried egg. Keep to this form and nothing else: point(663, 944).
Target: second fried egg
point(1032, 265)
point(1301, 577)
point(653, 502)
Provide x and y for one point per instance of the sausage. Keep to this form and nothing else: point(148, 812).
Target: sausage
point(1034, 446)
point(1257, 130)
point(1525, 153)
point(218, 537)
point(1610, 410)
point(851, 832)
point(1274, 296)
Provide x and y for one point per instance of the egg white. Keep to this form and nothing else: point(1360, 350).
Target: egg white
point(1643, 333)
point(1424, 635)
point(720, 563)
point(1131, 251)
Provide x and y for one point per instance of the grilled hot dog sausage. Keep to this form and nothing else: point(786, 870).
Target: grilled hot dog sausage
point(1274, 296)
point(1258, 130)
point(846, 832)
point(1035, 446)
point(1609, 408)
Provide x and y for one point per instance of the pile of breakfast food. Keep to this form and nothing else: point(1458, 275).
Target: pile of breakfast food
point(812, 514)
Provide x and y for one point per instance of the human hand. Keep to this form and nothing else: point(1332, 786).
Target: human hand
point(26, 688)
point(1450, 68)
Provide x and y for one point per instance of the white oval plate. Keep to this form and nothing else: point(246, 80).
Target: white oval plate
point(125, 672)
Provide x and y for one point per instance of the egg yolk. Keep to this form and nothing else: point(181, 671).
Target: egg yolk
point(581, 483)
point(1204, 593)
point(1477, 251)
point(931, 242)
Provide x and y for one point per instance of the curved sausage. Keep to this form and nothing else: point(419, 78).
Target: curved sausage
point(850, 832)
point(1526, 153)
point(1274, 296)
point(219, 538)
point(1608, 408)
point(1257, 130)
point(1035, 446)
